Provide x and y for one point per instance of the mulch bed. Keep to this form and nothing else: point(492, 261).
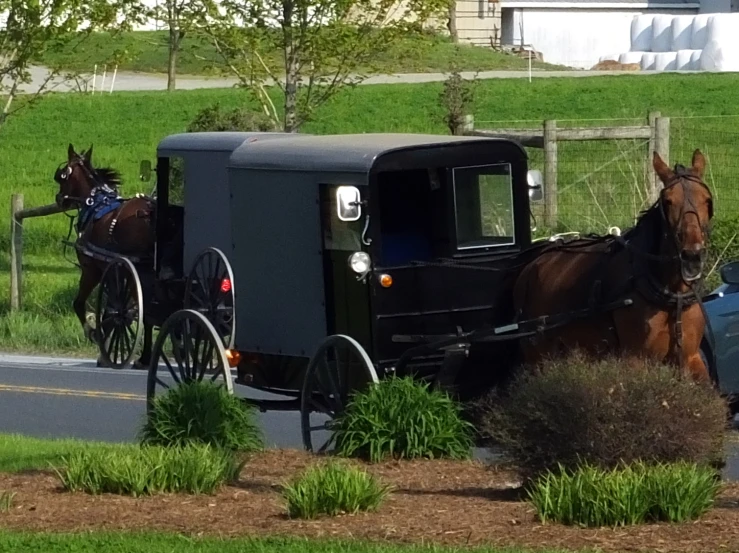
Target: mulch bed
point(453, 503)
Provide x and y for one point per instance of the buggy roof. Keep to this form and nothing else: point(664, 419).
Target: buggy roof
point(351, 153)
point(354, 153)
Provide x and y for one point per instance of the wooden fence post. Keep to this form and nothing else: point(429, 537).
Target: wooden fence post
point(652, 180)
point(550, 173)
point(16, 252)
point(662, 143)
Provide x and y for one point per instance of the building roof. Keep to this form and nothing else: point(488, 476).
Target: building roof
point(602, 4)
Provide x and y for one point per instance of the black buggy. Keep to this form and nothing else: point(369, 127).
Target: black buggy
point(343, 259)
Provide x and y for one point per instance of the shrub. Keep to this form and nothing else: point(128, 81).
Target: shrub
point(402, 418)
point(148, 470)
point(333, 489)
point(456, 97)
point(215, 119)
point(201, 412)
point(604, 412)
point(634, 494)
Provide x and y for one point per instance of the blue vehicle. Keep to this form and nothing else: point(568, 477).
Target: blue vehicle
point(720, 347)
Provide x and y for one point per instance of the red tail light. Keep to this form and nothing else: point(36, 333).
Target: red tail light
point(226, 285)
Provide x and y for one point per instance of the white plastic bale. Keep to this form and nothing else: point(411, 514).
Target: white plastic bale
point(631, 57)
point(699, 31)
point(662, 33)
point(665, 61)
point(682, 26)
point(695, 60)
point(641, 33)
point(683, 61)
point(609, 57)
point(648, 61)
point(720, 56)
point(722, 27)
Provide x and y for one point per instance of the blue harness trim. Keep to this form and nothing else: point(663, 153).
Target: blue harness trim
point(100, 202)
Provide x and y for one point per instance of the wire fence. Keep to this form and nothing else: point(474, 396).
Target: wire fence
point(605, 183)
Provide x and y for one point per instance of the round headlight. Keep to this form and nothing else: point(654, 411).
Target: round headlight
point(359, 262)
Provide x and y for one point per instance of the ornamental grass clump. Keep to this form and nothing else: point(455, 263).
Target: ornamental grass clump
point(148, 470)
point(205, 413)
point(333, 489)
point(633, 494)
point(604, 412)
point(402, 418)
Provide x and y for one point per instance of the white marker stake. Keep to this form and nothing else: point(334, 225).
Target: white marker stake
point(112, 82)
point(94, 77)
point(102, 81)
point(529, 65)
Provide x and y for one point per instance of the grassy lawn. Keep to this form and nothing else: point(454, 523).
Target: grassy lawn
point(600, 183)
point(148, 52)
point(20, 453)
point(140, 542)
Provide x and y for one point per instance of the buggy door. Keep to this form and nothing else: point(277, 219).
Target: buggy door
point(347, 298)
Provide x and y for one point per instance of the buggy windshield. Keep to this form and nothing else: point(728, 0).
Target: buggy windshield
point(483, 206)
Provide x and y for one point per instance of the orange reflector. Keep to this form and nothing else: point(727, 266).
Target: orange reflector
point(386, 281)
point(234, 357)
point(226, 285)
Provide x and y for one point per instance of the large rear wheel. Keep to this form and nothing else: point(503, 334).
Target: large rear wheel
point(210, 290)
point(339, 367)
point(119, 317)
point(187, 349)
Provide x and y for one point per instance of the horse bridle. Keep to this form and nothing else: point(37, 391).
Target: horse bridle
point(79, 161)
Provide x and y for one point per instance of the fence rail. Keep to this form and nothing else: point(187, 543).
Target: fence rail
point(656, 131)
point(17, 215)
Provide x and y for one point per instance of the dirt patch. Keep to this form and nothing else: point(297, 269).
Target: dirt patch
point(454, 503)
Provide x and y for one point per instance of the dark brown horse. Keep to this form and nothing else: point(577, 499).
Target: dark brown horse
point(107, 221)
point(657, 264)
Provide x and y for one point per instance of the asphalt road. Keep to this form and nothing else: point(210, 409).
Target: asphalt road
point(70, 398)
point(146, 81)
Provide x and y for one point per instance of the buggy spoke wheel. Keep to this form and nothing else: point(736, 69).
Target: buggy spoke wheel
point(339, 367)
point(210, 290)
point(188, 348)
point(119, 314)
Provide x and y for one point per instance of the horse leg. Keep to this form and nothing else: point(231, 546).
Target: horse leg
point(89, 278)
point(145, 359)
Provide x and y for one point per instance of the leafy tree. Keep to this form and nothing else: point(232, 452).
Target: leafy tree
point(320, 44)
point(34, 27)
point(177, 15)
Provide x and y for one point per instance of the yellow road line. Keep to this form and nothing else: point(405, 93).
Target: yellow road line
point(68, 392)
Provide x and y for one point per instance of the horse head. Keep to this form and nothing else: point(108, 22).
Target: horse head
point(686, 204)
point(77, 178)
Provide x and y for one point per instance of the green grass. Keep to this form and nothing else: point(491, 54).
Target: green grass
point(149, 470)
point(202, 412)
point(20, 453)
point(140, 542)
point(333, 489)
point(635, 494)
point(147, 52)
point(125, 127)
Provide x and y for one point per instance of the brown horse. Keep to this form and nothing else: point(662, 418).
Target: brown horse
point(656, 264)
point(106, 221)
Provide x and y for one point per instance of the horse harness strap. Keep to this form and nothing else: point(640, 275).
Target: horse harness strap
point(101, 201)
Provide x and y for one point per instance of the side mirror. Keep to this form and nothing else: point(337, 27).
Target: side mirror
point(348, 203)
point(730, 273)
point(145, 171)
point(536, 185)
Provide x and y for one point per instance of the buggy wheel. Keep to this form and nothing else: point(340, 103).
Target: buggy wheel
point(119, 317)
point(187, 348)
point(339, 367)
point(210, 290)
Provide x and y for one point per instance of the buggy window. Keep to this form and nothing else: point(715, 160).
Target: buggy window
point(483, 206)
point(176, 181)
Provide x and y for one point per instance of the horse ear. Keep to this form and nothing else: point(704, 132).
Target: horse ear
point(699, 163)
point(660, 167)
point(71, 154)
point(88, 154)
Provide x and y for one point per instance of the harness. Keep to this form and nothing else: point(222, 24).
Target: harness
point(101, 201)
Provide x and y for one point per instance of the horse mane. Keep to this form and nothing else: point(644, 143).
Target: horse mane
point(646, 232)
point(109, 176)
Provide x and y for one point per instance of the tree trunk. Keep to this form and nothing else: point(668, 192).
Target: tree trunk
point(452, 22)
point(174, 43)
point(291, 67)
